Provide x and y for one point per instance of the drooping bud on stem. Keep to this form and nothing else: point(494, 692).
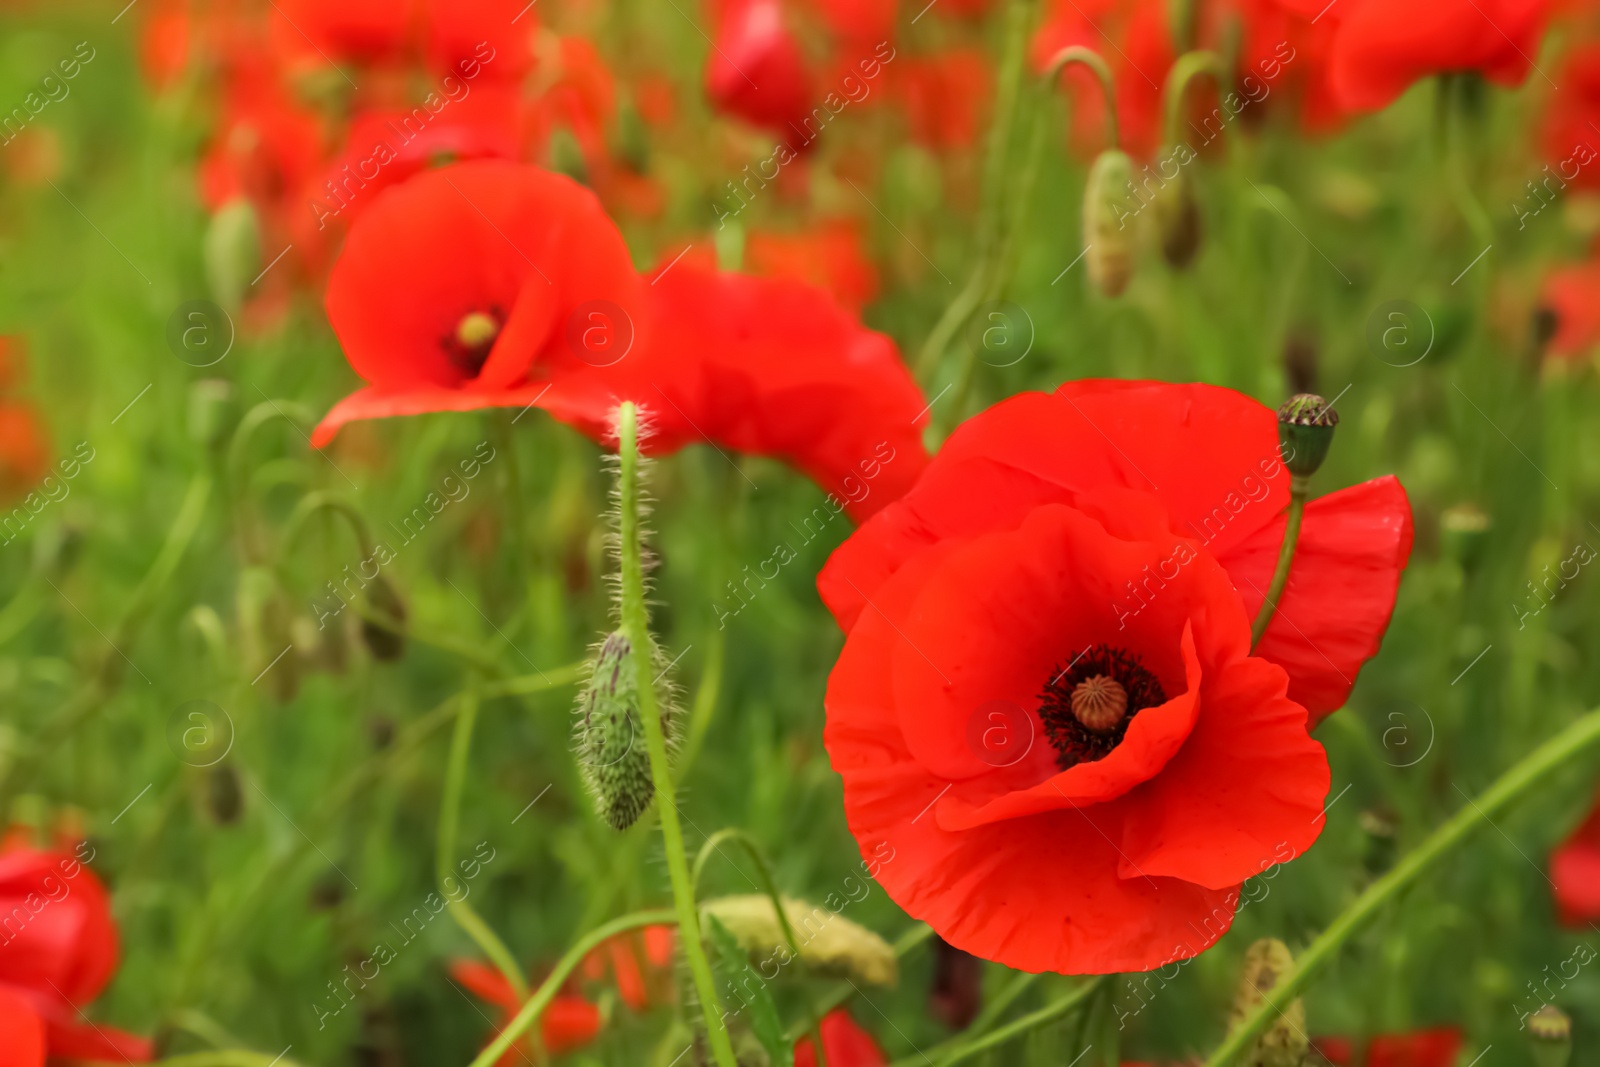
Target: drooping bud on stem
point(1284, 1043)
point(1178, 220)
point(383, 639)
point(1108, 243)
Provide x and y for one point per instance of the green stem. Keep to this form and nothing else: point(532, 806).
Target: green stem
point(530, 1012)
point(1014, 1029)
point(843, 991)
point(1533, 769)
point(1182, 73)
point(1088, 57)
point(769, 884)
point(463, 913)
point(636, 625)
point(1298, 490)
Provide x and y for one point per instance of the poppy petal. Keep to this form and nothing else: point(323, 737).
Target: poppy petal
point(23, 1031)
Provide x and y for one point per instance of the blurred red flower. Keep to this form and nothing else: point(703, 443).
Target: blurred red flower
point(1135, 41)
point(945, 97)
point(1575, 872)
point(23, 459)
point(640, 963)
point(1381, 47)
point(1571, 143)
point(1051, 714)
point(1437, 1047)
point(756, 70)
point(828, 255)
point(1572, 296)
point(58, 949)
point(492, 284)
point(568, 1022)
point(845, 1043)
point(444, 33)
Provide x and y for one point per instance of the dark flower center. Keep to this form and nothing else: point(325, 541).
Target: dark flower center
point(469, 346)
point(1087, 705)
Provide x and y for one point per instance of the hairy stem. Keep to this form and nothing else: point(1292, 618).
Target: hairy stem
point(636, 625)
point(1533, 769)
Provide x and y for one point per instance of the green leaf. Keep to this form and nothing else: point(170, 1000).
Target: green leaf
point(751, 993)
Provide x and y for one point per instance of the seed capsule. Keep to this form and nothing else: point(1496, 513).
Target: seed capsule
point(1108, 242)
point(1551, 1033)
point(1305, 430)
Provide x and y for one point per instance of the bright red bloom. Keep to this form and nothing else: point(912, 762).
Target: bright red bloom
point(639, 962)
point(446, 33)
point(56, 958)
point(1572, 295)
point(1575, 872)
point(1038, 815)
point(23, 459)
point(1381, 47)
point(499, 285)
point(1571, 145)
point(756, 70)
point(829, 256)
point(1437, 1047)
point(568, 1022)
point(846, 1044)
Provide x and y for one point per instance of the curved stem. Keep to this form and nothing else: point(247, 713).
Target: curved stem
point(1298, 489)
point(1182, 73)
point(465, 915)
point(770, 886)
point(1014, 1029)
point(1088, 57)
point(530, 1012)
point(843, 991)
point(636, 625)
point(325, 500)
point(1533, 769)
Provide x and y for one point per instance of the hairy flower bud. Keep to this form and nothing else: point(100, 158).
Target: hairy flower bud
point(610, 735)
point(1284, 1043)
point(829, 943)
point(1305, 430)
point(1108, 243)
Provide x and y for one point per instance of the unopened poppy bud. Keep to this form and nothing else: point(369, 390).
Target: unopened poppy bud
point(1463, 532)
point(224, 798)
point(1305, 430)
point(232, 252)
point(384, 640)
point(1284, 1043)
point(610, 736)
point(829, 943)
point(1108, 243)
point(1551, 1033)
point(1178, 220)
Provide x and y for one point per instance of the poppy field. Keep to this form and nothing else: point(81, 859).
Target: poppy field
point(799, 533)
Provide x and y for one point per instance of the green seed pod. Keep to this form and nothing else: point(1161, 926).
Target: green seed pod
point(384, 643)
point(1108, 242)
point(1284, 1043)
point(1305, 430)
point(1550, 1031)
point(1178, 220)
point(610, 736)
point(829, 943)
point(232, 252)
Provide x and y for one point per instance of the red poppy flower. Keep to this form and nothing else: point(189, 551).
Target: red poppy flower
point(1381, 47)
point(362, 31)
point(857, 24)
point(1284, 60)
point(1570, 143)
point(828, 255)
point(846, 1044)
point(756, 70)
point(23, 459)
point(1572, 295)
point(1437, 1047)
point(945, 97)
point(492, 284)
point(639, 962)
point(1046, 707)
point(568, 1022)
point(60, 950)
point(1575, 872)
